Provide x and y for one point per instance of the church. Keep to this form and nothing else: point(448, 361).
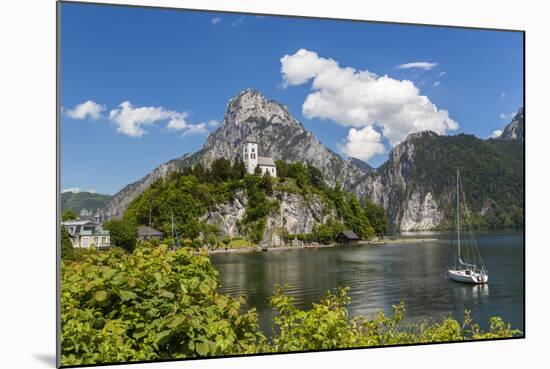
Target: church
point(252, 159)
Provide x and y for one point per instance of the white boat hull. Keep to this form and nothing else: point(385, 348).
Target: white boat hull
point(466, 276)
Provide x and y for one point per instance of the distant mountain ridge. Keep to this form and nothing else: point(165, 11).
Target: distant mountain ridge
point(77, 201)
point(401, 185)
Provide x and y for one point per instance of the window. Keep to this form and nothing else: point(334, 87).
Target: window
point(96, 240)
point(104, 241)
point(85, 242)
point(71, 229)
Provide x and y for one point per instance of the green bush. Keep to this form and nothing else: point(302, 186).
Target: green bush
point(327, 325)
point(123, 233)
point(197, 242)
point(68, 214)
point(153, 304)
point(212, 240)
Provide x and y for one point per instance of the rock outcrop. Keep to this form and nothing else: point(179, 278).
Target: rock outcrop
point(515, 129)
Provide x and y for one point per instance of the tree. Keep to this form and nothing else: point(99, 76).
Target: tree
point(212, 240)
point(197, 243)
point(67, 250)
point(257, 171)
point(123, 233)
point(68, 214)
point(221, 170)
point(377, 217)
point(266, 183)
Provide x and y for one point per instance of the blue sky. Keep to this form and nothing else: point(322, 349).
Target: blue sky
point(184, 66)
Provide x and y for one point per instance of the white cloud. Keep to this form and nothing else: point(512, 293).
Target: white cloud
point(436, 83)
point(238, 22)
point(496, 133)
point(216, 20)
point(441, 74)
point(417, 65)
point(87, 109)
point(363, 143)
point(71, 189)
point(360, 98)
point(213, 123)
point(506, 116)
point(130, 120)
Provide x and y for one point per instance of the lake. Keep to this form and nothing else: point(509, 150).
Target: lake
point(380, 276)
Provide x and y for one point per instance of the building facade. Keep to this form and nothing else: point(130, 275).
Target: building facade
point(149, 233)
point(252, 159)
point(86, 234)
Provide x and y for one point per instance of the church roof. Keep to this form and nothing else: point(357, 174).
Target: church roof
point(250, 140)
point(266, 162)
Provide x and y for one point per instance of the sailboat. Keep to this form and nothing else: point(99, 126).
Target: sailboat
point(467, 265)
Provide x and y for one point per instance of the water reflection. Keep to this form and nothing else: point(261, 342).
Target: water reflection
point(381, 276)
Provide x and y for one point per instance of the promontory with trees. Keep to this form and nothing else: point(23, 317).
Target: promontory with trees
point(185, 197)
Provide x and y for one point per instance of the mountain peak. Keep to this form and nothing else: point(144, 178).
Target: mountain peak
point(251, 104)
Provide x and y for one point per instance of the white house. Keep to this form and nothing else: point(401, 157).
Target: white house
point(252, 159)
point(86, 234)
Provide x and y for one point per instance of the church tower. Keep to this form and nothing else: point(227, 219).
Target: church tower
point(250, 155)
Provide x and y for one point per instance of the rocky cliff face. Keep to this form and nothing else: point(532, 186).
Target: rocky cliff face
point(515, 129)
point(295, 215)
point(408, 206)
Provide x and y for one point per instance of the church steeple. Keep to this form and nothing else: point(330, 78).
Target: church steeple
point(250, 155)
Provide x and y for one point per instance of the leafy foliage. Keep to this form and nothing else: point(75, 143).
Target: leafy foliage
point(185, 196)
point(68, 215)
point(67, 250)
point(123, 233)
point(327, 325)
point(152, 304)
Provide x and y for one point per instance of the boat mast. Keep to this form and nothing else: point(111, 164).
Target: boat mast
point(458, 213)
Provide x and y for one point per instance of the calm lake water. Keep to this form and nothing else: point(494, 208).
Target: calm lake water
point(382, 275)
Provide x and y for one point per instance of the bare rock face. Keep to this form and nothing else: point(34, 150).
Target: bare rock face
point(227, 216)
point(295, 215)
point(515, 129)
point(421, 213)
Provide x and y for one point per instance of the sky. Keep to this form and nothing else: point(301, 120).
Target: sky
point(141, 86)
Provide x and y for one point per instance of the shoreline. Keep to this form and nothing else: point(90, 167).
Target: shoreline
point(301, 247)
